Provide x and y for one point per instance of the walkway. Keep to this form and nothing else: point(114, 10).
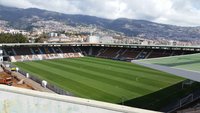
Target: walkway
point(33, 84)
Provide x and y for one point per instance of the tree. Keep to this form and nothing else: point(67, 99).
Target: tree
point(41, 38)
point(12, 38)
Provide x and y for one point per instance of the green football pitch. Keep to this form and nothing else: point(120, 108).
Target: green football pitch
point(188, 62)
point(102, 79)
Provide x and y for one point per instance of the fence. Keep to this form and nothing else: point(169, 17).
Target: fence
point(50, 86)
point(187, 99)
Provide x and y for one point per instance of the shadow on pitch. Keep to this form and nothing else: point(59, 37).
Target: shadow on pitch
point(162, 98)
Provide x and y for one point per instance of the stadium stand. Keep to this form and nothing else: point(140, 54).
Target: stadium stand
point(36, 50)
point(159, 53)
point(22, 50)
point(109, 51)
point(95, 51)
point(144, 54)
point(130, 53)
point(84, 50)
point(9, 51)
point(57, 49)
point(177, 52)
point(67, 49)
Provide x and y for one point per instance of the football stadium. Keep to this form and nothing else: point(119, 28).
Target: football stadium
point(108, 72)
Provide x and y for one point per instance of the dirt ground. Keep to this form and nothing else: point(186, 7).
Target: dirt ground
point(15, 81)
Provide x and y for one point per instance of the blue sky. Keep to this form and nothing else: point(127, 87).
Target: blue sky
point(176, 12)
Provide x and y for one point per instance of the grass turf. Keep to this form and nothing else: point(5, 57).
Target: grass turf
point(188, 62)
point(101, 79)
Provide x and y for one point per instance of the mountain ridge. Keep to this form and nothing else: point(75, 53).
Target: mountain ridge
point(21, 19)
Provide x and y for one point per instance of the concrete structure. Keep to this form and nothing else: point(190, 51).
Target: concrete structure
point(172, 43)
point(107, 40)
point(93, 39)
point(53, 34)
point(15, 31)
point(63, 36)
point(17, 100)
point(58, 39)
point(54, 39)
point(144, 42)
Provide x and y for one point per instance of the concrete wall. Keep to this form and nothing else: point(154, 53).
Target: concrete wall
point(93, 39)
point(17, 100)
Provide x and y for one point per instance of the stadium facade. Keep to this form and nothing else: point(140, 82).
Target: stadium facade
point(124, 52)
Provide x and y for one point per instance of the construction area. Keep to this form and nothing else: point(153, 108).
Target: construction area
point(13, 78)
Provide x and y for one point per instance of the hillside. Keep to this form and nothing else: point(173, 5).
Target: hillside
point(23, 19)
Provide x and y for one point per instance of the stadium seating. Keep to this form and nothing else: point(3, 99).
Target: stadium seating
point(84, 50)
point(96, 51)
point(144, 54)
point(188, 52)
point(22, 50)
point(109, 52)
point(9, 51)
point(118, 53)
point(159, 53)
point(36, 50)
point(57, 49)
point(67, 49)
point(130, 53)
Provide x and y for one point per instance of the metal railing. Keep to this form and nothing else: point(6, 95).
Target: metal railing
point(50, 86)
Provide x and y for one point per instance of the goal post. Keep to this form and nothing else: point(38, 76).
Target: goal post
point(187, 82)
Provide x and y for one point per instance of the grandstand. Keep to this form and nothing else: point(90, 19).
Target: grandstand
point(118, 52)
point(101, 79)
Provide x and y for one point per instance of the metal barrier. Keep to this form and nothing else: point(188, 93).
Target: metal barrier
point(50, 86)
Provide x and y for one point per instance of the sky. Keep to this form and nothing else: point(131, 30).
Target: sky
point(175, 12)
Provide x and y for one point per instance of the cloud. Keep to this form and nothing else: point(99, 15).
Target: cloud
point(17, 3)
point(177, 12)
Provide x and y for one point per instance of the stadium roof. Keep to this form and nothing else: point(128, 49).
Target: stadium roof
point(100, 44)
